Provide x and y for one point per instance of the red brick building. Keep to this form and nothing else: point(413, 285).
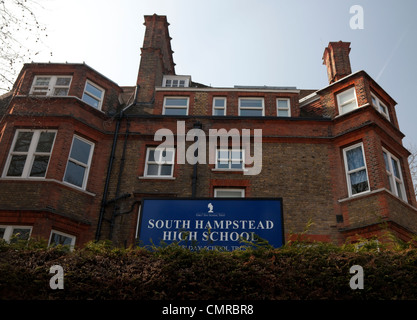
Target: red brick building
point(77, 150)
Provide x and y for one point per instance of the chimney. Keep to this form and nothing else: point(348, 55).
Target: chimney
point(336, 59)
point(156, 57)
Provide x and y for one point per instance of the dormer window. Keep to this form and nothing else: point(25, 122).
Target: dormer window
point(51, 85)
point(347, 101)
point(93, 95)
point(176, 81)
point(380, 106)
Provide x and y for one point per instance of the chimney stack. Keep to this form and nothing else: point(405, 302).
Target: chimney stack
point(156, 57)
point(336, 59)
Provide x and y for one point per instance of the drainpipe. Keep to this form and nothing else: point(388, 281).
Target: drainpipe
point(197, 125)
point(104, 201)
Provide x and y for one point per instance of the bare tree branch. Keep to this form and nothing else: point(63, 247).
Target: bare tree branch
point(20, 33)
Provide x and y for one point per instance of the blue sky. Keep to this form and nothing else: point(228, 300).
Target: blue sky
point(244, 42)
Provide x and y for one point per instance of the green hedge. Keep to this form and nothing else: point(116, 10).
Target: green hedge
point(296, 271)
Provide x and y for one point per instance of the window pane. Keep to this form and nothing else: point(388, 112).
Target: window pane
point(176, 111)
point(344, 97)
point(283, 113)
point(237, 165)
point(176, 102)
point(219, 112)
point(283, 104)
point(74, 174)
point(251, 103)
point(23, 141)
point(20, 234)
point(60, 91)
point(91, 101)
point(399, 189)
point(355, 158)
point(45, 142)
point(223, 164)
point(349, 107)
point(168, 156)
point(386, 161)
point(236, 155)
point(42, 81)
point(93, 90)
point(223, 154)
point(80, 151)
point(16, 166)
point(61, 81)
point(152, 170)
point(151, 155)
point(166, 169)
point(396, 168)
point(2, 232)
point(228, 193)
point(219, 102)
point(57, 239)
point(39, 166)
point(249, 112)
point(359, 182)
point(390, 182)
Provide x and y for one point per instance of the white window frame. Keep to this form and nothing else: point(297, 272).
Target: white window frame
point(229, 159)
point(30, 154)
point(241, 190)
point(159, 163)
point(251, 108)
point(8, 233)
point(171, 81)
point(354, 99)
point(73, 238)
point(219, 108)
point(348, 173)
point(100, 99)
point(176, 106)
point(86, 166)
point(288, 108)
point(380, 106)
point(50, 89)
point(392, 178)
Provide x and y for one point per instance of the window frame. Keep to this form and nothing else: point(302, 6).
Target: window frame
point(340, 105)
point(51, 86)
point(242, 192)
point(30, 154)
point(176, 106)
point(288, 108)
point(349, 172)
point(392, 178)
point(72, 237)
point(171, 78)
point(86, 166)
point(379, 106)
point(8, 233)
point(230, 159)
point(219, 108)
point(155, 162)
point(251, 108)
point(93, 96)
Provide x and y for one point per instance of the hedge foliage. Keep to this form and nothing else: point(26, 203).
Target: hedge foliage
point(296, 271)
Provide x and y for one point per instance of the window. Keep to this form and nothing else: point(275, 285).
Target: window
point(283, 108)
point(14, 233)
point(93, 95)
point(229, 159)
point(30, 154)
point(51, 85)
point(229, 193)
point(177, 106)
point(219, 106)
point(60, 238)
point(251, 107)
point(176, 81)
point(347, 101)
point(356, 172)
point(159, 163)
point(378, 105)
point(79, 161)
point(395, 180)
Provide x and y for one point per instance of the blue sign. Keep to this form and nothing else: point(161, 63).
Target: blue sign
point(213, 223)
